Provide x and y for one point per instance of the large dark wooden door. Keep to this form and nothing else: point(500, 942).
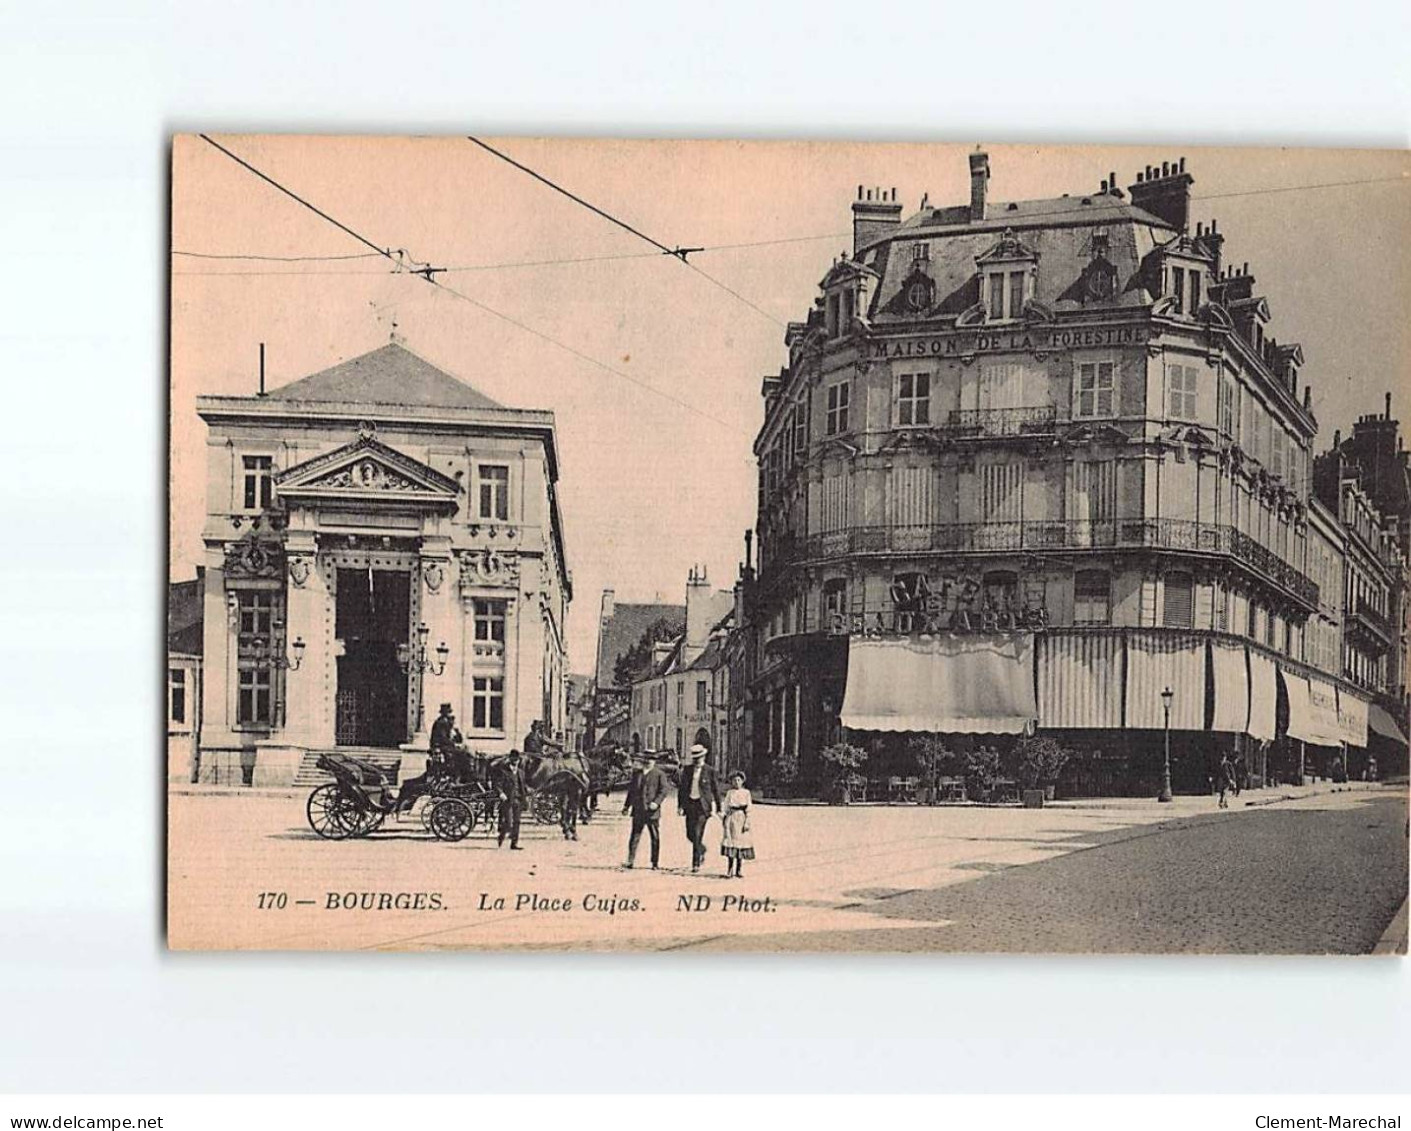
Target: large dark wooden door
point(372, 618)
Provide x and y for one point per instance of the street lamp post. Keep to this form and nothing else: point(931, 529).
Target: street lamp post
point(1165, 794)
point(417, 659)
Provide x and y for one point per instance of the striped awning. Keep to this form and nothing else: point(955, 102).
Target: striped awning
point(1263, 696)
point(1323, 704)
point(1080, 680)
point(1301, 724)
point(1156, 661)
point(943, 684)
point(1231, 679)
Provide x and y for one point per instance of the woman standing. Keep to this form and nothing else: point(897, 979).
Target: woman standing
point(736, 844)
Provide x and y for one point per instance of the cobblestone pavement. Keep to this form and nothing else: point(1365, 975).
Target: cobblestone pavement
point(1305, 877)
point(1323, 873)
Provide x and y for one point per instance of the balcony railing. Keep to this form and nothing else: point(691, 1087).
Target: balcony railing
point(1374, 620)
point(1038, 420)
point(1042, 534)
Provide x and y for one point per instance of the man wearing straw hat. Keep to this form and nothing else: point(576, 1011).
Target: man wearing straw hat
point(697, 798)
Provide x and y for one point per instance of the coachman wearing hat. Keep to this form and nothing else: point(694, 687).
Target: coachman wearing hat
point(445, 743)
point(697, 798)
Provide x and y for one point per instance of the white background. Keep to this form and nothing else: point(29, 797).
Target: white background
point(89, 1000)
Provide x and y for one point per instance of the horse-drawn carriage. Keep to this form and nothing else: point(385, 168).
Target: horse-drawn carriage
point(460, 789)
point(362, 795)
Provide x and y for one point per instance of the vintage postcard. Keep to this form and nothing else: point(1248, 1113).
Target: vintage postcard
point(683, 545)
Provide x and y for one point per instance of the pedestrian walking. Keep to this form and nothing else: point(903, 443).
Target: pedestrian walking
point(645, 793)
point(736, 843)
point(697, 798)
point(1224, 779)
point(510, 784)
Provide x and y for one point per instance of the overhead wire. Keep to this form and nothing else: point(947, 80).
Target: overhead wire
point(678, 252)
point(428, 277)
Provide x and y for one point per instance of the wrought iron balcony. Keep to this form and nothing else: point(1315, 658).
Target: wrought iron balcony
point(1042, 534)
point(983, 423)
point(1379, 625)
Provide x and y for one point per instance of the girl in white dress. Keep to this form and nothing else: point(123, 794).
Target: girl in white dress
point(736, 844)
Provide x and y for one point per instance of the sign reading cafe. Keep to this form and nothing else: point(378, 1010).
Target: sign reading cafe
point(998, 341)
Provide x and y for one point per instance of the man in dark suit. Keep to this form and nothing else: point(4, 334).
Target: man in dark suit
point(509, 782)
point(645, 794)
point(697, 797)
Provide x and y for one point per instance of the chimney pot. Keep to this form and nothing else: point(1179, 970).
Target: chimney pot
point(1183, 165)
point(1388, 416)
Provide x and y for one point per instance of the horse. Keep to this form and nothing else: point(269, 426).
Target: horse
point(561, 775)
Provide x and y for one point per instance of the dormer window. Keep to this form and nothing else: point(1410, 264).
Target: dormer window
point(1184, 287)
point(1006, 278)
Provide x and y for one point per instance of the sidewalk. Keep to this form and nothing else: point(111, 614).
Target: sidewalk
point(1393, 940)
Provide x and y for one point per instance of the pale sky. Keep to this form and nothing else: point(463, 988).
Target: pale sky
point(648, 486)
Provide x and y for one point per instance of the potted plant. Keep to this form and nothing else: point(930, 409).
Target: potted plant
point(981, 770)
point(1039, 760)
point(932, 756)
point(841, 762)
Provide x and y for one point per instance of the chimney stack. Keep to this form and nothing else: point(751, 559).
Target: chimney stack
point(874, 214)
point(1165, 192)
point(979, 174)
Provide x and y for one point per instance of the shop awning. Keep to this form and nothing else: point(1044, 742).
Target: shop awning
point(1156, 661)
point(1323, 703)
point(1381, 722)
point(1263, 696)
point(942, 684)
point(1231, 677)
point(1080, 680)
point(1301, 724)
point(1352, 718)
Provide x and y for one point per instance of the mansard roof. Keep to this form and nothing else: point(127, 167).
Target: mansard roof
point(391, 374)
point(1058, 232)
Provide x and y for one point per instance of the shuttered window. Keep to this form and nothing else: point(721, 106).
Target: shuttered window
point(837, 500)
point(1178, 610)
point(1092, 597)
point(910, 501)
point(1000, 492)
point(1095, 491)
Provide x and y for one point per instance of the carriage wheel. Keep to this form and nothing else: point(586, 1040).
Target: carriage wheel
point(546, 809)
point(426, 811)
point(369, 821)
point(452, 820)
point(329, 810)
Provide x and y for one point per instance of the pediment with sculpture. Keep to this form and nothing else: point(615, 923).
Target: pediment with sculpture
point(370, 471)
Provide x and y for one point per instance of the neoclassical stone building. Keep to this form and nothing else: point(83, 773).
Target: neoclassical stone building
point(380, 538)
point(1030, 463)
